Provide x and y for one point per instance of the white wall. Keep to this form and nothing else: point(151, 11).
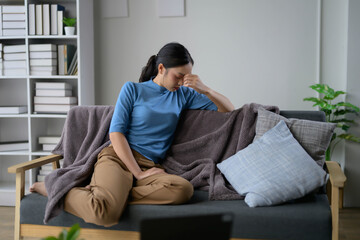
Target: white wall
point(352, 164)
point(333, 70)
point(249, 50)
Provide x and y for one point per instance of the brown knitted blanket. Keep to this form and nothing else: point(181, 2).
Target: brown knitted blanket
point(205, 138)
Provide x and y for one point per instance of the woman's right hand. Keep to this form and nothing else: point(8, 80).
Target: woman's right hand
point(149, 172)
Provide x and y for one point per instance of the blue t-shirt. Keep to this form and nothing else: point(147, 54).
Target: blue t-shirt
point(147, 114)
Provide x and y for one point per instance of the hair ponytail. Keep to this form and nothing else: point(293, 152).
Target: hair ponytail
point(149, 70)
point(171, 55)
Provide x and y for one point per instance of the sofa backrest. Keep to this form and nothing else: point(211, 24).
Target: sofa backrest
point(308, 115)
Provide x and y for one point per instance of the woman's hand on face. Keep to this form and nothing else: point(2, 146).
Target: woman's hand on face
point(193, 81)
point(149, 172)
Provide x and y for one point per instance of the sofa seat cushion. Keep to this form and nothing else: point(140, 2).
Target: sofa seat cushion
point(305, 218)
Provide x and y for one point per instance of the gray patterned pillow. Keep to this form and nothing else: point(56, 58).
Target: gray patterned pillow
point(313, 136)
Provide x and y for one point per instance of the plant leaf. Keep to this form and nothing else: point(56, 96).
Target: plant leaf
point(343, 126)
point(348, 105)
point(312, 99)
point(50, 238)
point(74, 232)
point(339, 112)
point(63, 235)
point(343, 120)
point(324, 89)
point(349, 137)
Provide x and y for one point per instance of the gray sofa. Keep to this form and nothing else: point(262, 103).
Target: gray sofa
point(311, 217)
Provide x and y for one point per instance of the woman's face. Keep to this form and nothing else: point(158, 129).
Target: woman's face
point(173, 78)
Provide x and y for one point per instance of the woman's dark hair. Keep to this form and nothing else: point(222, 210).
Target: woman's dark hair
point(170, 55)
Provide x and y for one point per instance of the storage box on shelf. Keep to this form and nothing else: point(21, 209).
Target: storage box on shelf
point(32, 58)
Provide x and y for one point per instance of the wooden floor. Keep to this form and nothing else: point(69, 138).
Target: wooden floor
point(349, 223)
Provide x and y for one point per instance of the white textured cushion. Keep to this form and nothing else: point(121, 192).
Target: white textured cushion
point(273, 169)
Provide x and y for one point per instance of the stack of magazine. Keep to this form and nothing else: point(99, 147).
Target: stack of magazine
point(14, 60)
point(43, 59)
point(12, 20)
point(48, 142)
point(53, 97)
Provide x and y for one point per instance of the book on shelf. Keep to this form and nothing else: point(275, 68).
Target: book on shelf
point(44, 172)
point(44, 68)
point(14, 146)
point(73, 64)
point(52, 108)
point(42, 47)
point(66, 52)
point(13, 9)
point(14, 56)
point(53, 92)
point(1, 20)
point(14, 25)
point(49, 139)
point(14, 72)
point(31, 13)
point(15, 64)
point(13, 17)
point(19, 48)
point(48, 147)
point(54, 18)
point(44, 54)
point(39, 19)
point(14, 32)
point(43, 62)
point(47, 167)
point(41, 178)
point(13, 109)
point(55, 100)
point(53, 85)
point(60, 17)
point(42, 73)
point(46, 19)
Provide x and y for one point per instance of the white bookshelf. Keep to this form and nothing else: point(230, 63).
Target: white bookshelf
point(19, 90)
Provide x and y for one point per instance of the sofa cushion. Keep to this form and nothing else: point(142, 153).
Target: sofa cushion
point(305, 218)
point(273, 169)
point(313, 136)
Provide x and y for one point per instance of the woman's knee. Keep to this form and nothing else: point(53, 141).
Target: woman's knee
point(103, 214)
point(182, 191)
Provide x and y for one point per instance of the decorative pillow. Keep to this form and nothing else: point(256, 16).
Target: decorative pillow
point(313, 136)
point(272, 170)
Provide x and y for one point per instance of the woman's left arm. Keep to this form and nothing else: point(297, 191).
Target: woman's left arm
point(223, 103)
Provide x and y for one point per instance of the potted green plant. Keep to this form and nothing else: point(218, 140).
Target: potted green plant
point(335, 113)
point(69, 25)
point(72, 234)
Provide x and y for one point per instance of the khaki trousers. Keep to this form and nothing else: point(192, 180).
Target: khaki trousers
point(113, 186)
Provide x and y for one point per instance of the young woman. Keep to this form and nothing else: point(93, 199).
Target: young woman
point(141, 131)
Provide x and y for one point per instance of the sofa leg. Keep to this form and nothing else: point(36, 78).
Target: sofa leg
point(20, 191)
point(335, 212)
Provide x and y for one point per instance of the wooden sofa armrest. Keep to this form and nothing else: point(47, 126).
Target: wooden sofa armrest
point(337, 180)
point(337, 177)
point(19, 170)
point(22, 167)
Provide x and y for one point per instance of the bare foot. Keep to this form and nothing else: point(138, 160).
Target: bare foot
point(39, 187)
